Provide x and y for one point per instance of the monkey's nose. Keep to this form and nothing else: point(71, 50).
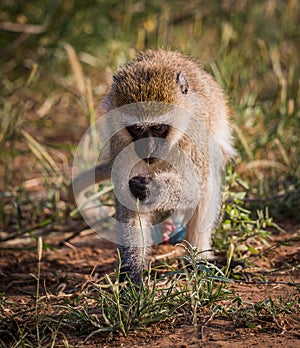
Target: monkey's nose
point(145, 148)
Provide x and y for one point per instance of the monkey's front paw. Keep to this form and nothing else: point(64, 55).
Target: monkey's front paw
point(140, 187)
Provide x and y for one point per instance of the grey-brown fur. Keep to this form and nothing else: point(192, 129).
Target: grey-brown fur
point(171, 79)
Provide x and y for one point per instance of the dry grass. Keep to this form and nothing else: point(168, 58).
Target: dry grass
point(57, 61)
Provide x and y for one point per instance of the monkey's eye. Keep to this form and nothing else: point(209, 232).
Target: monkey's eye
point(136, 130)
point(159, 130)
point(157, 127)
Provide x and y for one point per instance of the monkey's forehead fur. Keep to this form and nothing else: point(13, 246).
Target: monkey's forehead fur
point(152, 76)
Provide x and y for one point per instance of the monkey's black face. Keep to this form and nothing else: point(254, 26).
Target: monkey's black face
point(146, 149)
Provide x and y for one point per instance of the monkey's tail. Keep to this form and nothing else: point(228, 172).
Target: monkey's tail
point(88, 178)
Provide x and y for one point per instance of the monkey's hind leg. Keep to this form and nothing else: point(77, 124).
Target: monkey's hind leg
point(205, 218)
point(198, 235)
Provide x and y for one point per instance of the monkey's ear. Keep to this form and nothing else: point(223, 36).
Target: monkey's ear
point(183, 83)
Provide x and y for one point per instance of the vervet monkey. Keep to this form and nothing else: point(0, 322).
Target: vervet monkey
point(173, 118)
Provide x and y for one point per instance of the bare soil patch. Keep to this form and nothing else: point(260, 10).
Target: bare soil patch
point(67, 268)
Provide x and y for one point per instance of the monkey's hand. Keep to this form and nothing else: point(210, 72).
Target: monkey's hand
point(140, 186)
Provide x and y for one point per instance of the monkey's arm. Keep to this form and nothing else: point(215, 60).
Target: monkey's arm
point(167, 190)
point(164, 191)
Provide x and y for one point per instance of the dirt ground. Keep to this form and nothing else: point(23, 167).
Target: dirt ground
point(69, 265)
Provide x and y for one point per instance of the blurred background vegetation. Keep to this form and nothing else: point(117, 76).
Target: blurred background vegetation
point(57, 58)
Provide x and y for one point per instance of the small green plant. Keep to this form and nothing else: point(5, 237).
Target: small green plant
point(241, 229)
point(266, 312)
point(120, 307)
point(203, 285)
point(111, 306)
